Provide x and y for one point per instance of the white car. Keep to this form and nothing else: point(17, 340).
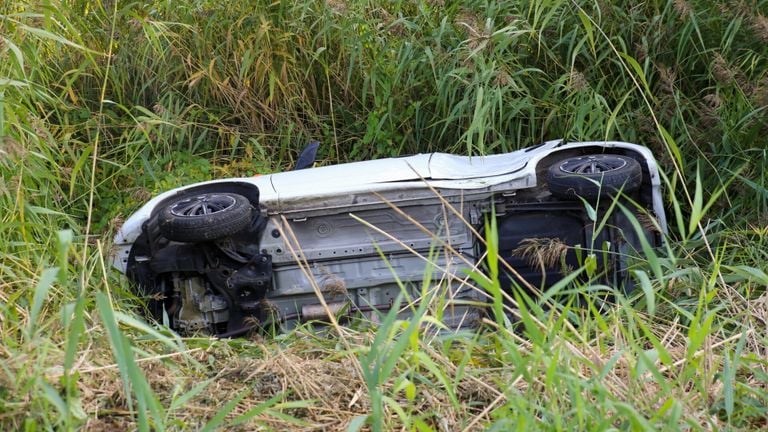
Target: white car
point(226, 255)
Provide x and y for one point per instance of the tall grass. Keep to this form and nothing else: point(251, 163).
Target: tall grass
point(120, 100)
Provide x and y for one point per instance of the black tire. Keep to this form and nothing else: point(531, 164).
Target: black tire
point(594, 176)
point(205, 217)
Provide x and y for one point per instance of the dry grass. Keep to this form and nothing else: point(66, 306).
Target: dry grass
point(544, 253)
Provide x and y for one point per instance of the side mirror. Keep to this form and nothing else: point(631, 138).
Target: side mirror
point(307, 156)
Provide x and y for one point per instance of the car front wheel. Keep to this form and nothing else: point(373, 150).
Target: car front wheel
point(204, 217)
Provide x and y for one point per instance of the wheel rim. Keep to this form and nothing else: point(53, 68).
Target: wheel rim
point(592, 165)
point(202, 205)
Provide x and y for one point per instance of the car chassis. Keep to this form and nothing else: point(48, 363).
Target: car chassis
point(226, 255)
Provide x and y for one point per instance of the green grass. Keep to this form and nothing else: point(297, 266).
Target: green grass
point(104, 104)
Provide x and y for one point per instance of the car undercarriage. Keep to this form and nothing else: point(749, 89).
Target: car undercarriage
point(358, 240)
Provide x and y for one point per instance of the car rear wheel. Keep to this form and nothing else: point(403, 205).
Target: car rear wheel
point(205, 217)
point(594, 176)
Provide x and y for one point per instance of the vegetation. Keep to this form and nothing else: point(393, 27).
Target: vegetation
point(104, 104)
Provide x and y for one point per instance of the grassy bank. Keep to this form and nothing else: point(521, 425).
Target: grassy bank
point(104, 104)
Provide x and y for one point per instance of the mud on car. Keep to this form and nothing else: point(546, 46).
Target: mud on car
point(224, 255)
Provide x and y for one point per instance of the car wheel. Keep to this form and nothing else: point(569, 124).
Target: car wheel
point(205, 217)
point(594, 176)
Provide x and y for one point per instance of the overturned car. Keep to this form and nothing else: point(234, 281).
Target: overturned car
point(223, 256)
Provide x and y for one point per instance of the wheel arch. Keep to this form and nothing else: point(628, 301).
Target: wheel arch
point(651, 181)
point(145, 219)
point(248, 190)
